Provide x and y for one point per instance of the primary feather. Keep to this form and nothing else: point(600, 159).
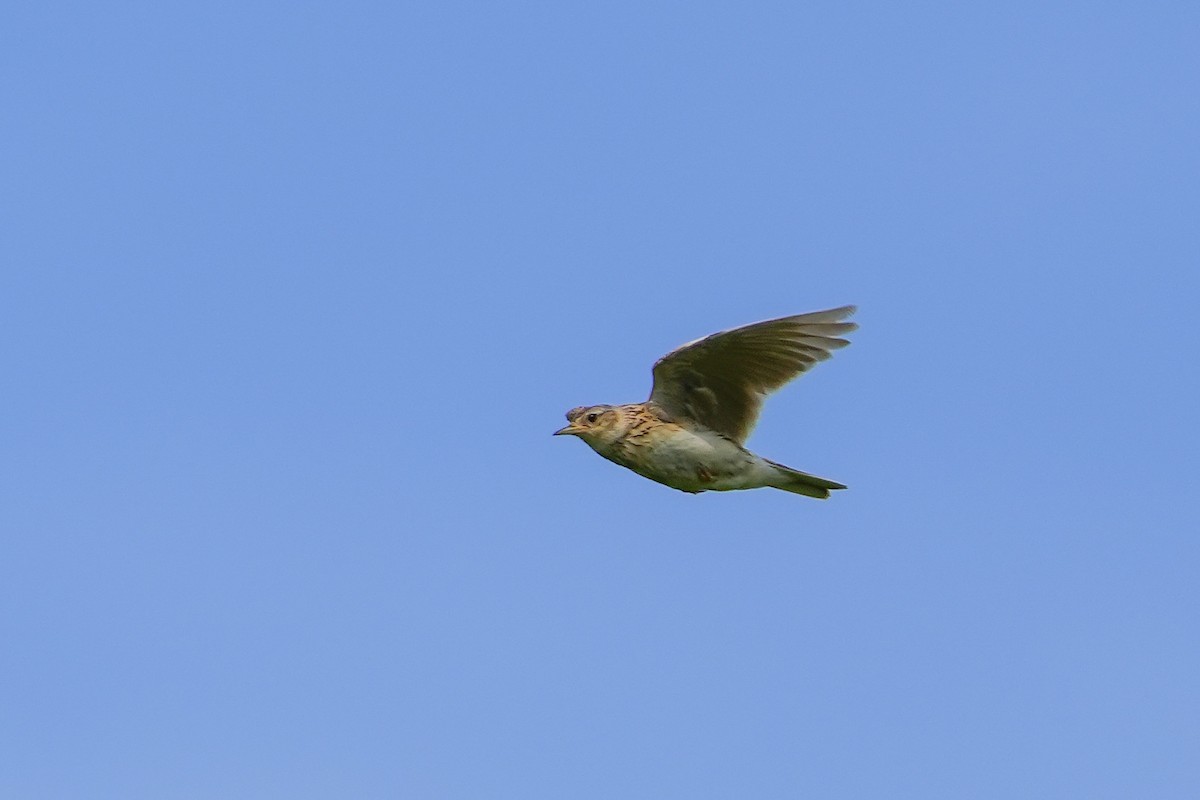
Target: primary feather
point(720, 381)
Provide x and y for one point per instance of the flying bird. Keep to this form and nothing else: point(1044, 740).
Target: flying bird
point(705, 400)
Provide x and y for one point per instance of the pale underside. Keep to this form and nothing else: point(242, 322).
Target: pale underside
point(691, 461)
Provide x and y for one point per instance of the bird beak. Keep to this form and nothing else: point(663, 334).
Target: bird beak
point(570, 430)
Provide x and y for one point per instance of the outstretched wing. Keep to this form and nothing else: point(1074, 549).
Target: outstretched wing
point(720, 381)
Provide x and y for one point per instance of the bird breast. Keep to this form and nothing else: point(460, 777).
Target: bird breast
point(691, 460)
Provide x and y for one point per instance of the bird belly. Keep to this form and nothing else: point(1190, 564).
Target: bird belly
point(690, 461)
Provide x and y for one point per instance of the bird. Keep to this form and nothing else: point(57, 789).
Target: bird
point(705, 400)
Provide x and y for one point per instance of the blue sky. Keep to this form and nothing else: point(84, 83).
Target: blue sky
point(294, 295)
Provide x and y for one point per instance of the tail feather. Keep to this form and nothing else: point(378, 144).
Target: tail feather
point(792, 480)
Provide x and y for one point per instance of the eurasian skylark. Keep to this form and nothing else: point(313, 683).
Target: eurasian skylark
point(705, 400)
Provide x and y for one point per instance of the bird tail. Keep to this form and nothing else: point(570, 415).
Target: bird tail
point(791, 480)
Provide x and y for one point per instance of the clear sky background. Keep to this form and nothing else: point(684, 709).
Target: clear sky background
point(293, 296)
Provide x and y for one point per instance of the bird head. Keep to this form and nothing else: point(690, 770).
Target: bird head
point(593, 424)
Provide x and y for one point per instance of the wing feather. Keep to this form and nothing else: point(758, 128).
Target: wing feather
point(720, 381)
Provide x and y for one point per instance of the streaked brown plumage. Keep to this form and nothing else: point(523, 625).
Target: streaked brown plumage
point(706, 399)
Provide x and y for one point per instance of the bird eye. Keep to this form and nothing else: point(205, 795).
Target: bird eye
point(591, 417)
